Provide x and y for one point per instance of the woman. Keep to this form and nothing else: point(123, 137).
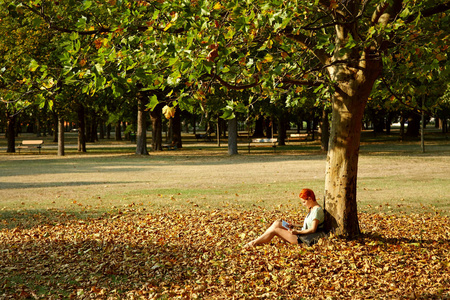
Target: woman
point(313, 222)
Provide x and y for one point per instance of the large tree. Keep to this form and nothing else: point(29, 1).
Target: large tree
point(336, 47)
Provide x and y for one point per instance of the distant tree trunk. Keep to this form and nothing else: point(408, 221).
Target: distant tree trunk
point(402, 127)
point(60, 137)
point(118, 131)
point(155, 116)
point(413, 128)
point(422, 128)
point(259, 128)
point(108, 131)
point(282, 127)
point(81, 129)
point(94, 127)
point(268, 128)
point(176, 128)
point(141, 135)
point(232, 137)
point(388, 122)
point(101, 129)
point(218, 131)
point(11, 133)
point(443, 125)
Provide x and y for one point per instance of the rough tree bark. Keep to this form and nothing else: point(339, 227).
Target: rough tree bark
point(176, 128)
point(141, 135)
point(11, 133)
point(60, 137)
point(232, 136)
point(156, 117)
point(354, 73)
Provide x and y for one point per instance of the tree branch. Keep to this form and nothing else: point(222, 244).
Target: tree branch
point(301, 82)
point(414, 108)
point(233, 87)
point(430, 11)
point(385, 12)
point(308, 43)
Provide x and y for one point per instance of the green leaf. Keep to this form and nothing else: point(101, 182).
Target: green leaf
point(33, 65)
point(73, 36)
point(87, 4)
point(153, 102)
point(228, 115)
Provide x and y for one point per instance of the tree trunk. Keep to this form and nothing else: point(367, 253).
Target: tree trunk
point(413, 129)
point(422, 128)
point(118, 131)
point(11, 133)
point(353, 87)
point(177, 128)
point(108, 131)
point(94, 127)
point(155, 116)
point(259, 128)
point(81, 129)
point(232, 137)
point(141, 135)
point(342, 166)
point(282, 126)
point(218, 131)
point(101, 129)
point(60, 137)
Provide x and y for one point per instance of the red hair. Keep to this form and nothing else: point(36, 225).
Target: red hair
point(307, 194)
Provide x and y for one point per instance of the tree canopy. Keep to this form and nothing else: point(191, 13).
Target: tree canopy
point(337, 50)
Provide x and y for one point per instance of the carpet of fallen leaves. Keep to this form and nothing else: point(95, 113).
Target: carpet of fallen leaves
point(199, 254)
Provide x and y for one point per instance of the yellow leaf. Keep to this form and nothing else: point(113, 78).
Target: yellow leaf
point(167, 26)
point(268, 58)
point(218, 5)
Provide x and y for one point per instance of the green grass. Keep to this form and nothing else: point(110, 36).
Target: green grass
point(394, 177)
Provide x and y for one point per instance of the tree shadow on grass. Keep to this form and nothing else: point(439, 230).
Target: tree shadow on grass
point(41, 268)
point(380, 239)
point(26, 219)
point(33, 185)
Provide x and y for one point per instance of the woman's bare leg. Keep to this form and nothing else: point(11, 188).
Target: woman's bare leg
point(276, 229)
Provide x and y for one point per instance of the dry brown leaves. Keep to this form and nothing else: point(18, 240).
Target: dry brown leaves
point(198, 254)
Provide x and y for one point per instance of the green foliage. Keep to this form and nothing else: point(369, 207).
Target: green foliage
point(276, 49)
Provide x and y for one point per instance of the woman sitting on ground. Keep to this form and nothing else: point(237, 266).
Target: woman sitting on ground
point(313, 221)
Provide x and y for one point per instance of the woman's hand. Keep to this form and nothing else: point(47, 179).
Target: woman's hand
point(293, 231)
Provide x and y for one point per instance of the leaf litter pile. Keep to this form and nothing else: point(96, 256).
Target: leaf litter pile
point(193, 254)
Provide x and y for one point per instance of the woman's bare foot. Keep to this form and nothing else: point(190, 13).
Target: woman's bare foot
point(249, 245)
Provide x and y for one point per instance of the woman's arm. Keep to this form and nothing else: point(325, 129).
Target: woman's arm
point(315, 224)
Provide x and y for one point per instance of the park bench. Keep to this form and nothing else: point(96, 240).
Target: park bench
point(298, 137)
point(204, 136)
point(171, 146)
point(27, 144)
point(262, 142)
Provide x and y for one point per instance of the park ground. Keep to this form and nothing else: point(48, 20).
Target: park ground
point(108, 224)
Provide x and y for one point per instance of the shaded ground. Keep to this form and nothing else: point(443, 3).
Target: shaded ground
point(198, 254)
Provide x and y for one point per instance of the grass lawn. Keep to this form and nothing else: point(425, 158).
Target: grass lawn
point(108, 223)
